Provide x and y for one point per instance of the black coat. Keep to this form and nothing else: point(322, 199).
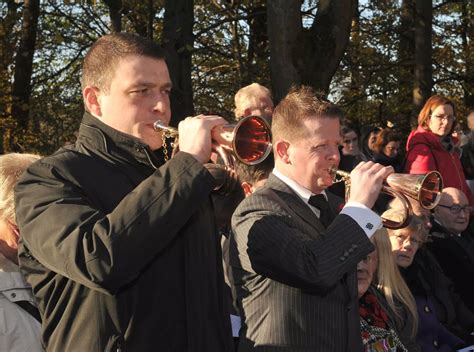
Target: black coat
point(121, 251)
point(455, 255)
point(425, 278)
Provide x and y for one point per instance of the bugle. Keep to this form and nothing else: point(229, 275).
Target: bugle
point(248, 140)
point(425, 189)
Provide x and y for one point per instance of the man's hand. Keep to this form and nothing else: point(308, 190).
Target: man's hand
point(366, 182)
point(195, 135)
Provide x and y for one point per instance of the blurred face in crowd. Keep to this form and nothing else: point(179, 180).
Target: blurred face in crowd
point(453, 210)
point(392, 149)
point(441, 120)
point(372, 139)
point(310, 159)
point(350, 144)
point(405, 242)
point(9, 237)
point(366, 269)
point(138, 96)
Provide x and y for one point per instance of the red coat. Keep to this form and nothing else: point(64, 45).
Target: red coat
point(425, 153)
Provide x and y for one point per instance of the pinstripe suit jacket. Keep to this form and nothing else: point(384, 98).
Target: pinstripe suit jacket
point(295, 280)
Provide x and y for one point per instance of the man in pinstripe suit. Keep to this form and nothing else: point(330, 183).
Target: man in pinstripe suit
point(296, 277)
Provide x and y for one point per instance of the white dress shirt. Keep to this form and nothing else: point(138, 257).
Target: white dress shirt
point(367, 219)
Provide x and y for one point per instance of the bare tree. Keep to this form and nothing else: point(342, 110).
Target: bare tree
point(21, 89)
point(307, 55)
point(423, 81)
point(115, 12)
point(177, 38)
point(467, 35)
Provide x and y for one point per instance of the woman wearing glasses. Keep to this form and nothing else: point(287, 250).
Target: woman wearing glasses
point(444, 321)
point(431, 147)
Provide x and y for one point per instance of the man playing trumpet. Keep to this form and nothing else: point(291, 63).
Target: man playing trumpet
point(120, 248)
point(294, 260)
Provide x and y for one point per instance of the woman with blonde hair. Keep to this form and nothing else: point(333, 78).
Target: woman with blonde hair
point(388, 311)
point(20, 328)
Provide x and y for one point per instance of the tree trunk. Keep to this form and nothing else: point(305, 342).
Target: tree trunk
point(22, 86)
point(178, 43)
point(423, 54)
point(284, 27)
point(467, 34)
point(7, 47)
point(307, 56)
point(406, 54)
point(258, 43)
point(328, 40)
point(115, 13)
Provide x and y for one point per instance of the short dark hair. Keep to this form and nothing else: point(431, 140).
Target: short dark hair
point(101, 60)
point(300, 104)
point(254, 173)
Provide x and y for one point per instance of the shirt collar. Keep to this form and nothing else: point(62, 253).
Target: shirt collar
point(301, 191)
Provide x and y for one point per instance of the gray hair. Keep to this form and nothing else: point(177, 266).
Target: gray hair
point(11, 167)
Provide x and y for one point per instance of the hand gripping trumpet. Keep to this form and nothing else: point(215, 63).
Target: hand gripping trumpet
point(248, 140)
point(426, 189)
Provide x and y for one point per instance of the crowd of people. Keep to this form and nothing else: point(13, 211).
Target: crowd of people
point(106, 245)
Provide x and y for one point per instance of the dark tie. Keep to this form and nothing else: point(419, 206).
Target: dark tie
point(320, 202)
point(30, 308)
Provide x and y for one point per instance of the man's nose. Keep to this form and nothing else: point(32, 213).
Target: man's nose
point(333, 153)
point(161, 103)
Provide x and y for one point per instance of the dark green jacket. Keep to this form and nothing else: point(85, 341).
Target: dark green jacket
point(122, 253)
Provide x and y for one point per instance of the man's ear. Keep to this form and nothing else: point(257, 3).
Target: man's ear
point(247, 112)
point(281, 148)
point(247, 187)
point(91, 100)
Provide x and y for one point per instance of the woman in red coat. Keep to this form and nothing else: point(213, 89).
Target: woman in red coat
point(430, 147)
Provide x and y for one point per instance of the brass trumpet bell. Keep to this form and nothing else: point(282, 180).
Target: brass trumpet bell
point(425, 189)
point(249, 140)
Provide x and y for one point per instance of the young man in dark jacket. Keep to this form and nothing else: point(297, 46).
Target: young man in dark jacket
point(120, 247)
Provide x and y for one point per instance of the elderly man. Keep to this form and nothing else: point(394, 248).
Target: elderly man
point(454, 249)
point(253, 99)
point(294, 260)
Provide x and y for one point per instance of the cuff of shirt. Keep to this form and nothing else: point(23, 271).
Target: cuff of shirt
point(367, 219)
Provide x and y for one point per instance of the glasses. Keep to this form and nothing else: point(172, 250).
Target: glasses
point(444, 117)
point(406, 238)
point(456, 209)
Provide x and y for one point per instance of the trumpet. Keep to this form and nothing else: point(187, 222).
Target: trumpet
point(248, 140)
point(425, 189)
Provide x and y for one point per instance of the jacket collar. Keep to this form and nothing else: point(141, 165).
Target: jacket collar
point(294, 202)
point(99, 136)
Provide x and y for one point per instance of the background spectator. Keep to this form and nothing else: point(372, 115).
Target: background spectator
point(20, 330)
point(253, 99)
point(430, 147)
point(454, 249)
point(387, 148)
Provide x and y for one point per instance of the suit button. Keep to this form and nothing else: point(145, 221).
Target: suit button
point(342, 259)
point(427, 309)
point(435, 343)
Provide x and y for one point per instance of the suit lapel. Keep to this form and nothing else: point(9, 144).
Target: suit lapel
point(294, 202)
